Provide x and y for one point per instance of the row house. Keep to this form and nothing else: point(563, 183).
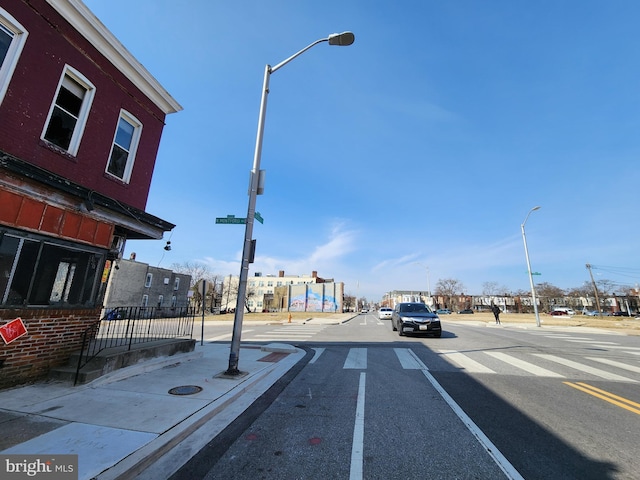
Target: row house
point(80, 126)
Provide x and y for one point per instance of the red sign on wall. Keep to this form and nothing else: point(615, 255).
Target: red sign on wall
point(12, 330)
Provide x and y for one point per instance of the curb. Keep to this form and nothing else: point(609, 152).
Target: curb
point(156, 460)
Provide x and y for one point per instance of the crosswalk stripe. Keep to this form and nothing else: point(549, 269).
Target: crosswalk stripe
point(574, 340)
point(526, 366)
point(585, 368)
point(465, 362)
point(614, 363)
point(409, 360)
point(356, 359)
point(615, 347)
point(225, 336)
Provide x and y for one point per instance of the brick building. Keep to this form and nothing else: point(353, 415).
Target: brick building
point(80, 126)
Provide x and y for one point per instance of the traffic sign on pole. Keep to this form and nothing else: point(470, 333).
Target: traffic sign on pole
point(230, 219)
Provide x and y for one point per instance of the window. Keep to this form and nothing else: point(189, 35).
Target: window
point(174, 301)
point(69, 112)
point(12, 38)
point(176, 284)
point(147, 281)
point(160, 300)
point(36, 271)
point(145, 300)
point(125, 144)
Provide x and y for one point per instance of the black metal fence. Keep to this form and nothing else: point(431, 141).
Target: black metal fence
point(123, 327)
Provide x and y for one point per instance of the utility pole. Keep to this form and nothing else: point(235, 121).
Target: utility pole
point(595, 289)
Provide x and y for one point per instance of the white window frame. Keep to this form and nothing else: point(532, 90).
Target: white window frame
point(133, 148)
point(176, 283)
point(148, 280)
point(83, 115)
point(13, 54)
point(145, 300)
point(160, 300)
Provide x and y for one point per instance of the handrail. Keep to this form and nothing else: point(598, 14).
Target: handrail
point(128, 326)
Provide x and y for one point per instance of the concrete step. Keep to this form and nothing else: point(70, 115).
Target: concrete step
point(115, 358)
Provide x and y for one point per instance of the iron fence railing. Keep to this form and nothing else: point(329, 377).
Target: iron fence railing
point(128, 326)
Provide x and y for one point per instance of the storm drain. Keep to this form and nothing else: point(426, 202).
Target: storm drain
point(185, 390)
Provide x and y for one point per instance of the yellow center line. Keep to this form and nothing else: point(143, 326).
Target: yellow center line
point(606, 396)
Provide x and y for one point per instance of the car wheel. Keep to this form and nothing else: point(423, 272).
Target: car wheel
point(400, 331)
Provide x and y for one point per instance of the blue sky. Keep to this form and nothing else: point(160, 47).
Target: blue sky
point(424, 144)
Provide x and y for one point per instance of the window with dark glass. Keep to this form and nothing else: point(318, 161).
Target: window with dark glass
point(66, 111)
point(35, 271)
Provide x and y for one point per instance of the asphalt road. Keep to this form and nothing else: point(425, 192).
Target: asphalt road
point(480, 402)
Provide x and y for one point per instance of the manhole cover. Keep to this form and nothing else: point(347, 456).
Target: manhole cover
point(185, 390)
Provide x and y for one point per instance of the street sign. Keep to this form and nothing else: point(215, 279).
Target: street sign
point(535, 273)
point(258, 217)
point(230, 219)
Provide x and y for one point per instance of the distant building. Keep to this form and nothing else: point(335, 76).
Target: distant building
point(134, 284)
point(285, 292)
point(80, 126)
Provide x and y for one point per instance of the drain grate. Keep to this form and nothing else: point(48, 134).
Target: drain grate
point(185, 390)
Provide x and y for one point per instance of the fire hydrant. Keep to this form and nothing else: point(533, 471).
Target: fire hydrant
point(289, 317)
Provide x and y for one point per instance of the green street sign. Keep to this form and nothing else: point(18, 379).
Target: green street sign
point(230, 219)
point(535, 273)
point(258, 217)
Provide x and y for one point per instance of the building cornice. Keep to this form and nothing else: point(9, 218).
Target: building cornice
point(88, 25)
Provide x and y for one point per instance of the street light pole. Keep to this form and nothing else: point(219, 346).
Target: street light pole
point(526, 253)
point(255, 184)
point(428, 281)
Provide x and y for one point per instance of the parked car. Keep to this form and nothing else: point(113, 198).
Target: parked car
point(443, 311)
point(621, 314)
point(559, 313)
point(415, 318)
point(385, 313)
point(466, 311)
point(568, 311)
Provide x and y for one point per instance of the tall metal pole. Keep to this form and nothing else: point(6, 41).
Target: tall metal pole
point(526, 252)
point(595, 289)
point(248, 250)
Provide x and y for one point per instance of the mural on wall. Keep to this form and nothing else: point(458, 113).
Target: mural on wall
point(317, 297)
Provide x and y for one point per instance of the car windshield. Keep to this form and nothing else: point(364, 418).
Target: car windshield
point(415, 307)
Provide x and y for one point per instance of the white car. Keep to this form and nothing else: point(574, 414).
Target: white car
point(385, 313)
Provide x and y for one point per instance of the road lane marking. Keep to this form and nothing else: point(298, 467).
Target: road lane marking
point(409, 360)
point(225, 336)
point(318, 351)
point(356, 359)
point(606, 396)
point(575, 340)
point(526, 366)
point(357, 446)
point(489, 447)
point(615, 347)
point(585, 368)
point(465, 362)
point(613, 363)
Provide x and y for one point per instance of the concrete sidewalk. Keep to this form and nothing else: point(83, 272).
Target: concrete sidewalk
point(127, 423)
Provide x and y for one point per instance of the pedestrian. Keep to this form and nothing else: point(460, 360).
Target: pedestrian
point(496, 313)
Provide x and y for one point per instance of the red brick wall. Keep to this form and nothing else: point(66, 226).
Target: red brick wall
point(52, 335)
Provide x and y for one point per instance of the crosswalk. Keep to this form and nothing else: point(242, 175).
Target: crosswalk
point(291, 333)
point(499, 363)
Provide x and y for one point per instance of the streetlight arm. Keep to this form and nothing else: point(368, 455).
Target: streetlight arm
point(341, 39)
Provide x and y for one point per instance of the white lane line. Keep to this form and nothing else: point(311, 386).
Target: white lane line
point(356, 359)
point(225, 336)
point(613, 363)
point(465, 362)
point(319, 351)
point(585, 368)
point(614, 347)
point(592, 341)
point(409, 360)
point(526, 366)
point(489, 447)
point(357, 447)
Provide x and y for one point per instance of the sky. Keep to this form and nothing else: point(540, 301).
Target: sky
point(413, 155)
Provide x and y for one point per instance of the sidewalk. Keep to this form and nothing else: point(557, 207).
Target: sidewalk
point(125, 423)
point(128, 423)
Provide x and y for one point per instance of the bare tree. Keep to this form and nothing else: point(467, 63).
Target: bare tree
point(449, 288)
point(198, 271)
point(493, 288)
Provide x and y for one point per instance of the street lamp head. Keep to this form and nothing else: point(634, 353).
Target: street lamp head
point(535, 208)
point(343, 39)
